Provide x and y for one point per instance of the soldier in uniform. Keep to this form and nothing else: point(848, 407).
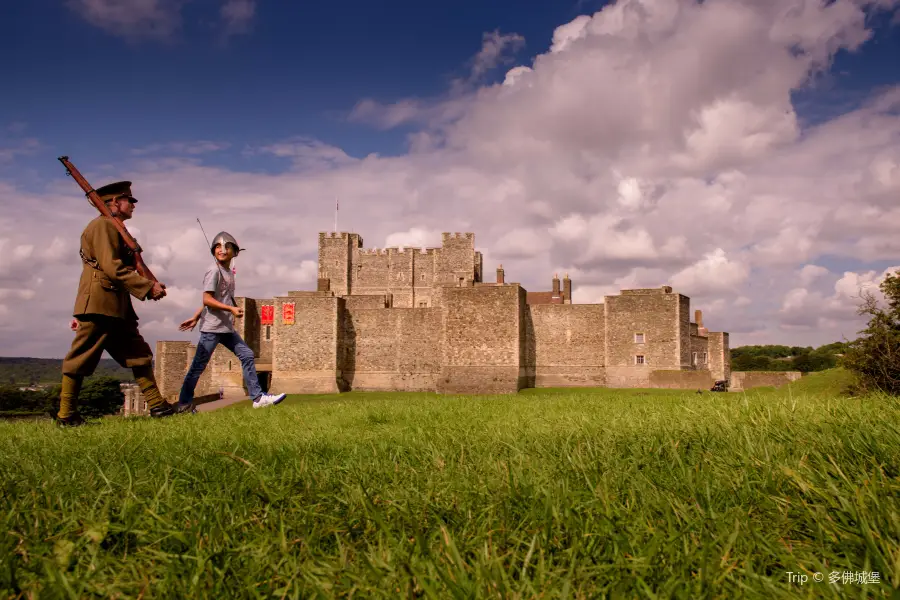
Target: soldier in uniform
point(104, 316)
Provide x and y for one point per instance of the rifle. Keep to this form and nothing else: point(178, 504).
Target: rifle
point(94, 198)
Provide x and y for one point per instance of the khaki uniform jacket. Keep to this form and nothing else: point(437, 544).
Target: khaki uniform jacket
point(108, 275)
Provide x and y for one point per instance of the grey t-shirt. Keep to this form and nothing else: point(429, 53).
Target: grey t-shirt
point(219, 281)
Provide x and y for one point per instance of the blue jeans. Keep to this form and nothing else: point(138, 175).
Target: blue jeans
point(205, 347)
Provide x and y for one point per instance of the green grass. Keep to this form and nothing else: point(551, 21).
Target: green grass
point(585, 493)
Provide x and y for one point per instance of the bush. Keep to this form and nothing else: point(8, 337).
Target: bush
point(875, 356)
point(100, 395)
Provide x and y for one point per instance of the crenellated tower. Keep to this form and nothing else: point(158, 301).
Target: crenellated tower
point(336, 254)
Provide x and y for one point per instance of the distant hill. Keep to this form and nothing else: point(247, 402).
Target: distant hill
point(23, 371)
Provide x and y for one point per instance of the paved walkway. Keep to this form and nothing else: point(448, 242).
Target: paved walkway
point(227, 401)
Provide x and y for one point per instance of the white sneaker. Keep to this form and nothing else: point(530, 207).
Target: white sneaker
point(268, 400)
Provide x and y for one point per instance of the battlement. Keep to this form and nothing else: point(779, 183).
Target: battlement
point(409, 250)
point(373, 251)
point(447, 236)
point(342, 236)
point(647, 291)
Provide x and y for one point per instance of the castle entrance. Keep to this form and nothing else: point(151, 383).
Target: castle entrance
point(264, 373)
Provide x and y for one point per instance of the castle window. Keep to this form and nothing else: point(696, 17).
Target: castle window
point(694, 359)
point(639, 338)
point(423, 305)
point(268, 332)
point(639, 359)
point(704, 357)
point(423, 276)
point(460, 282)
point(229, 365)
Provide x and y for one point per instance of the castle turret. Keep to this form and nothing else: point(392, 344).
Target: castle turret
point(336, 252)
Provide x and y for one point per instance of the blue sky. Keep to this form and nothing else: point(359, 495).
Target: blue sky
point(722, 165)
point(299, 70)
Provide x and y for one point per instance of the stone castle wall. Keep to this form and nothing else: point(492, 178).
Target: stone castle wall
point(423, 320)
point(390, 349)
point(483, 340)
point(653, 313)
point(565, 345)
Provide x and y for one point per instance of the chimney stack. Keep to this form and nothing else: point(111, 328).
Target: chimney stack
point(500, 277)
point(567, 290)
point(555, 284)
point(698, 318)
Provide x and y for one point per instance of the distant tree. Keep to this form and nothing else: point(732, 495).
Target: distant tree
point(100, 396)
point(875, 356)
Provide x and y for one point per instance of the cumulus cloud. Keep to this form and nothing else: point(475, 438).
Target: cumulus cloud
point(188, 148)
point(13, 149)
point(414, 237)
point(237, 16)
point(157, 20)
point(306, 153)
point(803, 308)
point(496, 49)
point(653, 143)
point(132, 19)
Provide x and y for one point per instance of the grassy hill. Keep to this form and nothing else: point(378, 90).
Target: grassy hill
point(591, 493)
point(23, 371)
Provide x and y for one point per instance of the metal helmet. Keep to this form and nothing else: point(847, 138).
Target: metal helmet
point(224, 238)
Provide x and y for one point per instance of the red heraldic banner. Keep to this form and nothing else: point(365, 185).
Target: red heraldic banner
point(268, 314)
point(287, 313)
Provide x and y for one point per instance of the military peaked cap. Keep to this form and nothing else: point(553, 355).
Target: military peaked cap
point(115, 190)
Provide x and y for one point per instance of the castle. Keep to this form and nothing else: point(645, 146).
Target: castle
point(417, 319)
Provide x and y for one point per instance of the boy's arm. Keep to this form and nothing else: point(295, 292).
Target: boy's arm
point(210, 301)
point(189, 324)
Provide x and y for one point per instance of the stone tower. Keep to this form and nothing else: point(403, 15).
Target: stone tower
point(336, 251)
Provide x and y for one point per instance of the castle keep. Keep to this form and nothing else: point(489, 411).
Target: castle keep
point(417, 319)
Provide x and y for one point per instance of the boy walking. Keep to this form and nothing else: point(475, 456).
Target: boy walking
point(217, 327)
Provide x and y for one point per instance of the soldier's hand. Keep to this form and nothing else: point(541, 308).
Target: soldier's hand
point(157, 291)
point(74, 325)
point(237, 311)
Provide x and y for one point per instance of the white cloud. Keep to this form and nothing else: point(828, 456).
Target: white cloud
point(802, 308)
point(189, 148)
point(132, 19)
point(21, 147)
point(238, 15)
point(306, 153)
point(414, 237)
point(810, 273)
point(714, 273)
point(495, 50)
point(158, 20)
point(654, 142)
